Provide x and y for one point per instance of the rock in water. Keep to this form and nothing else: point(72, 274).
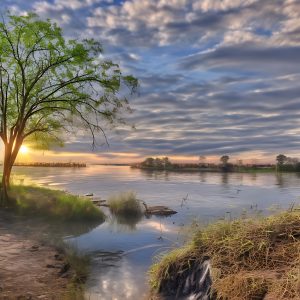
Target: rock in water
point(160, 211)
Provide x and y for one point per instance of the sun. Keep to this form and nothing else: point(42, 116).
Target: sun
point(23, 149)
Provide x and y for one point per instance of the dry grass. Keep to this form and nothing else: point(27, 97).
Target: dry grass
point(251, 259)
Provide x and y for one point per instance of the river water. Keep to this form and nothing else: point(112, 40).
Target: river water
point(122, 251)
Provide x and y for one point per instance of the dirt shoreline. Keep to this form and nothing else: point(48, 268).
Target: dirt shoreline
point(29, 268)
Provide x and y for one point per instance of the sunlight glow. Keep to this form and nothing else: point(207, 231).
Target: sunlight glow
point(23, 149)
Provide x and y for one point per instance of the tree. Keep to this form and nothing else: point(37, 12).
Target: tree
point(49, 85)
point(281, 159)
point(292, 160)
point(166, 162)
point(202, 159)
point(158, 163)
point(224, 159)
point(148, 162)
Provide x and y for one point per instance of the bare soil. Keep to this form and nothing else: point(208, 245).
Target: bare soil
point(29, 268)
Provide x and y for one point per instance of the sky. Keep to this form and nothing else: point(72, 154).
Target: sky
point(216, 76)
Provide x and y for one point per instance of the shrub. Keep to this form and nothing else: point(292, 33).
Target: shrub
point(125, 204)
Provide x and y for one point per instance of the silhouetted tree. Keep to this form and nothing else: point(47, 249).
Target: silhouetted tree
point(224, 159)
point(166, 162)
point(202, 159)
point(148, 162)
point(158, 163)
point(281, 159)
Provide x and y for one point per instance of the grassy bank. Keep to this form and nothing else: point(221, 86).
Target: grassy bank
point(56, 204)
point(250, 259)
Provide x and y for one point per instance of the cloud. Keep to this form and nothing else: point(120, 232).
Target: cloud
point(246, 57)
point(216, 76)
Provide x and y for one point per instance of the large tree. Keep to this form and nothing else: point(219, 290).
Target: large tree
point(49, 83)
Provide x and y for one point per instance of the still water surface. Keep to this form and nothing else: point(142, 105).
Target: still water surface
point(123, 251)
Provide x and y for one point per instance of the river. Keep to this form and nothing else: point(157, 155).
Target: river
point(123, 251)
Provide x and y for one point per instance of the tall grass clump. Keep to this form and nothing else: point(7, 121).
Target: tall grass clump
point(54, 204)
point(251, 259)
point(125, 205)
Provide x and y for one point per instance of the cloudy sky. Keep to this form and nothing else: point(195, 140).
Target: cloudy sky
point(216, 76)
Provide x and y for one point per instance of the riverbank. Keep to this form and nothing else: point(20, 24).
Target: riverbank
point(35, 261)
point(54, 204)
point(32, 267)
point(242, 259)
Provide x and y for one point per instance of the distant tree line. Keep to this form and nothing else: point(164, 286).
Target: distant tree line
point(287, 164)
point(164, 163)
point(157, 163)
point(52, 164)
point(284, 163)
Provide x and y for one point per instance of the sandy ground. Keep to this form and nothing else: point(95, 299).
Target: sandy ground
point(29, 269)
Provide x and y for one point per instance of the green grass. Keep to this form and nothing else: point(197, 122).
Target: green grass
point(125, 205)
point(54, 204)
point(250, 258)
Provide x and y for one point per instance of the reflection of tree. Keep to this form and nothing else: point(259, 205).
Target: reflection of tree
point(202, 176)
point(48, 230)
point(224, 179)
point(149, 174)
point(126, 222)
point(253, 177)
point(239, 177)
point(280, 181)
point(155, 174)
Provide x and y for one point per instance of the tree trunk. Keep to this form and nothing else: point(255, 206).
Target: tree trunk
point(9, 160)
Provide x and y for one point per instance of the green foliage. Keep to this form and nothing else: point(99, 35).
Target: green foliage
point(125, 204)
point(54, 204)
point(224, 159)
point(281, 159)
point(287, 164)
point(157, 163)
point(50, 85)
point(249, 258)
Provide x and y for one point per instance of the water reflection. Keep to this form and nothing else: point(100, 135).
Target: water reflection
point(202, 176)
point(131, 244)
point(225, 179)
point(281, 180)
point(115, 278)
point(125, 223)
point(253, 177)
point(48, 230)
point(155, 174)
